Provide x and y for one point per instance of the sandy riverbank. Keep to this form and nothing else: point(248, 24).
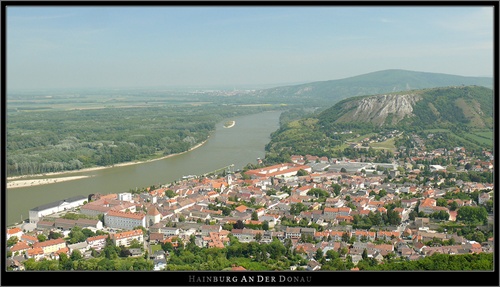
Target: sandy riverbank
point(30, 180)
point(33, 182)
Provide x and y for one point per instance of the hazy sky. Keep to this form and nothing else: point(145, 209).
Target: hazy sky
point(153, 46)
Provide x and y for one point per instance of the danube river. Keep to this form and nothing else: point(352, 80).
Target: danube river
point(239, 145)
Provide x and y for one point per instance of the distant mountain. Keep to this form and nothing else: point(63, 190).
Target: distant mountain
point(385, 81)
point(470, 106)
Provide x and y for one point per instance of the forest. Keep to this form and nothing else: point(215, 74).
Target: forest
point(41, 142)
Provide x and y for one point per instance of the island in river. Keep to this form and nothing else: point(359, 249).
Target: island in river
point(229, 124)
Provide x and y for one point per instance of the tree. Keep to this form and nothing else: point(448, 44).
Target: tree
point(76, 235)
point(343, 251)
point(41, 237)
point(332, 254)
point(170, 193)
point(255, 216)
point(453, 206)
point(302, 172)
point(167, 247)
point(364, 255)
point(265, 225)
point(336, 188)
point(124, 252)
point(472, 214)
point(345, 237)
point(55, 235)
point(319, 254)
point(76, 255)
point(12, 241)
point(239, 224)
point(258, 237)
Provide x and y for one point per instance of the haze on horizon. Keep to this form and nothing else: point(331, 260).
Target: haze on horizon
point(64, 47)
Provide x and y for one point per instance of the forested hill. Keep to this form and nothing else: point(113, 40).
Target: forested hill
point(463, 115)
point(385, 81)
point(469, 106)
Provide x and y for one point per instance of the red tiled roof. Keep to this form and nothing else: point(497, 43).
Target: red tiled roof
point(131, 215)
point(14, 230)
point(126, 234)
point(49, 243)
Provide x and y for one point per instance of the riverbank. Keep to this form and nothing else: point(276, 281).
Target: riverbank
point(32, 180)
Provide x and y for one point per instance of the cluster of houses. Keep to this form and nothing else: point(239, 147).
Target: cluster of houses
point(260, 197)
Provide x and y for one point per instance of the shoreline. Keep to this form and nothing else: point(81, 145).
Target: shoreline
point(36, 182)
point(14, 180)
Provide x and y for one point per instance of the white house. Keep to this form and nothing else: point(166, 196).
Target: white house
point(97, 242)
point(125, 238)
point(15, 231)
point(125, 196)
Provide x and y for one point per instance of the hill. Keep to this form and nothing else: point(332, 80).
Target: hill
point(471, 106)
point(463, 111)
point(385, 81)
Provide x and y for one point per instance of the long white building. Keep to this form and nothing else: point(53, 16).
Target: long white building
point(50, 208)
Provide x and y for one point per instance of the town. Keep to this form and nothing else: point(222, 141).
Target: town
point(334, 213)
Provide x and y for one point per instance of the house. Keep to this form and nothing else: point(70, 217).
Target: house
point(293, 232)
point(387, 235)
point(332, 212)
point(15, 231)
point(29, 239)
point(50, 246)
point(159, 264)
point(97, 242)
point(80, 246)
point(313, 265)
point(35, 253)
point(19, 248)
point(153, 216)
point(14, 265)
point(125, 238)
point(206, 229)
point(360, 234)
point(135, 252)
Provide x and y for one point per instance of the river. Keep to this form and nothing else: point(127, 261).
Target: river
point(239, 145)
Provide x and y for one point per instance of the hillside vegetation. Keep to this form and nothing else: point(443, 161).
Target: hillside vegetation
point(464, 111)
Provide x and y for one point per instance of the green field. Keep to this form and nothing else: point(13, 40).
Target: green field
point(388, 144)
point(484, 138)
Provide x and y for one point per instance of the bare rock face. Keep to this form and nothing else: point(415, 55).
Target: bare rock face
point(380, 109)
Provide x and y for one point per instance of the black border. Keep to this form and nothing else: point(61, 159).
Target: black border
point(185, 278)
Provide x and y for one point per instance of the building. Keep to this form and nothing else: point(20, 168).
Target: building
point(57, 206)
point(67, 224)
point(153, 216)
point(124, 220)
point(16, 231)
point(279, 170)
point(97, 242)
point(125, 238)
point(50, 246)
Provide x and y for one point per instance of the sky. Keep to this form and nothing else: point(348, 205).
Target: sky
point(93, 46)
